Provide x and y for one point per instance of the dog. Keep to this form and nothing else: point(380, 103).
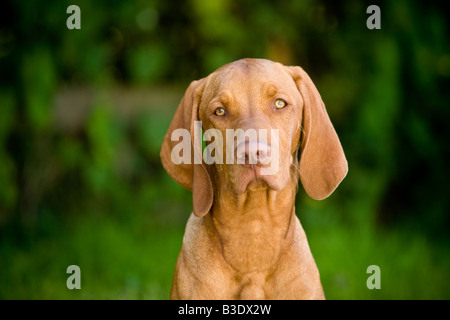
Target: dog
point(243, 239)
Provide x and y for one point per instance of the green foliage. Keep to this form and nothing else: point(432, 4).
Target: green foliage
point(80, 175)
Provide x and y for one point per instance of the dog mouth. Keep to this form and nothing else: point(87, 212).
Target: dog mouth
point(255, 164)
point(250, 178)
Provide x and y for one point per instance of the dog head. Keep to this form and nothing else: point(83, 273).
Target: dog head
point(259, 117)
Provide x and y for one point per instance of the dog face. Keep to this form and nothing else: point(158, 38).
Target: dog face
point(253, 99)
point(255, 95)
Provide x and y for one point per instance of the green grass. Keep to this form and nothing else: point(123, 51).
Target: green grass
point(117, 261)
point(411, 266)
point(134, 258)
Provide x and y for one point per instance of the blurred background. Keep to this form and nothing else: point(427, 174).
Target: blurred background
point(83, 113)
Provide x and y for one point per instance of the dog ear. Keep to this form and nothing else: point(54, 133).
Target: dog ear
point(322, 160)
point(191, 175)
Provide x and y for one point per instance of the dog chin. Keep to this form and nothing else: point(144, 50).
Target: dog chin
point(252, 180)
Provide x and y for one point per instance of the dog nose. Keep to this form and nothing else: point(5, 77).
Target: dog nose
point(253, 152)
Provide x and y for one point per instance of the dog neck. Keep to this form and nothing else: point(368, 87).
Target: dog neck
point(254, 226)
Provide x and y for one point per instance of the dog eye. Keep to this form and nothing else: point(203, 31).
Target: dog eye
point(280, 104)
point(220, 112)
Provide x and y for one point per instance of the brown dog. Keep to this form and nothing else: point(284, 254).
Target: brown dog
point(243, 240)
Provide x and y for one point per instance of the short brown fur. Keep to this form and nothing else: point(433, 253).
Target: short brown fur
point(243, 240)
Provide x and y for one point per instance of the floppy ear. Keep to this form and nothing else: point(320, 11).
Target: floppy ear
point(322, 161)
point(190, 175)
